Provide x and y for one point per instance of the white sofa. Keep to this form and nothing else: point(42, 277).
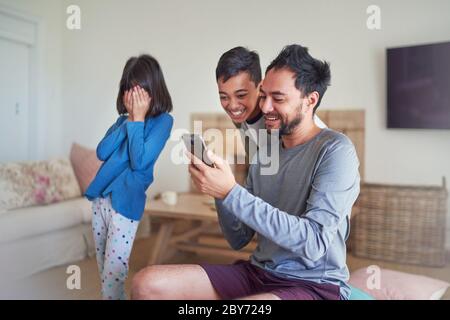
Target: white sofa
point(37, 238)
point(40, 237)
point(56, 232)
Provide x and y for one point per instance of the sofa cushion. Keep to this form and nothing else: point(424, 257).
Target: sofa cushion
point(25, 184)
point(396, 285)
point(33, 221)
point(85, 164)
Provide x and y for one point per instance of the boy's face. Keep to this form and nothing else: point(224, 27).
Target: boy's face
point(239, 97)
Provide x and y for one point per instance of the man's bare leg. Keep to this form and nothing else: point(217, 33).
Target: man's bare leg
point(173, 282)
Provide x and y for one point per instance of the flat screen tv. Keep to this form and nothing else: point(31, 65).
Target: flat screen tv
point(418, 86)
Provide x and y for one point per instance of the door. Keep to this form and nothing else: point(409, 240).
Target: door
point(14, 99)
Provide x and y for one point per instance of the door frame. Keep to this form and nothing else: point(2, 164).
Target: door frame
point(32, 31)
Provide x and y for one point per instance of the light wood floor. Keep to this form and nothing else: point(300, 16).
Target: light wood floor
point(51, 284)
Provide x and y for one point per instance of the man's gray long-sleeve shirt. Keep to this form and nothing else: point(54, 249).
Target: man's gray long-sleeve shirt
point(301, 214)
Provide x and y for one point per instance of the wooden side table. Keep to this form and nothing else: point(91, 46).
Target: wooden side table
point(197, 208)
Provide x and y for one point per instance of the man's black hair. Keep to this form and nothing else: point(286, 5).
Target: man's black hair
point(310, 74)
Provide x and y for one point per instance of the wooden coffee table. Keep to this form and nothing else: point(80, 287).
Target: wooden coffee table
point(190, 207)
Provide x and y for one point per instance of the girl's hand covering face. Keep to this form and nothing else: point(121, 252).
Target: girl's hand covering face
point(127, 101)
point(137, 102)
point(140, 103)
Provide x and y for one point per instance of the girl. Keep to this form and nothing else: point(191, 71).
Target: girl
point(129, 151)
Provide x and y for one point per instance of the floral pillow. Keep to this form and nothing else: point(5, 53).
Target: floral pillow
point(25, 184)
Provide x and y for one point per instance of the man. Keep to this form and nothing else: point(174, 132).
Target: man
point(301, 214)
point(238, 76)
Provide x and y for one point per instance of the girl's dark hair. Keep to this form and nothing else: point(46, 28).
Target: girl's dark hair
point(239, 59)
point(310, 74)
point(145, 72)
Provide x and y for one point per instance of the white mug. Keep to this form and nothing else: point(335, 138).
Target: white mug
point(169, 197)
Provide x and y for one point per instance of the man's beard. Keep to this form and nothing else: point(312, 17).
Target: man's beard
point(287, 127)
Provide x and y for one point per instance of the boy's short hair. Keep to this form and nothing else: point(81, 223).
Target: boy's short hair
point(238, 60)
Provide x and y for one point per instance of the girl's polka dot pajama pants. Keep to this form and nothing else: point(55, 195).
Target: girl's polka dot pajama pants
point(113, 235)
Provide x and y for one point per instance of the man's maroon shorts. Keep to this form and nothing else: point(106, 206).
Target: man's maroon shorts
point(242, 279)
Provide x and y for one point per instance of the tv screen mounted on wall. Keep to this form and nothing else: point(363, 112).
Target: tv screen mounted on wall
point(418, 86)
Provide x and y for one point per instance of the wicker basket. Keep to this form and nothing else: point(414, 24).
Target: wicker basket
point(405, 224)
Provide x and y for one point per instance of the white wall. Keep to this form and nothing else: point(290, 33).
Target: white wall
point(48, 120)
point(187, 37)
